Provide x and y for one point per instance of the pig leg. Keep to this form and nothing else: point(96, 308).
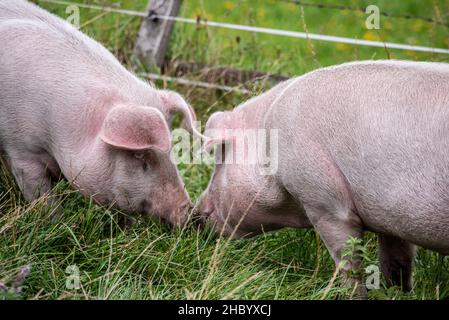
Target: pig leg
point(324, 192)
point(396, 261)
point(335, 231)
point(33, 180)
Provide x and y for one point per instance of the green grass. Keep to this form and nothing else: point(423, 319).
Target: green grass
point(149, 261)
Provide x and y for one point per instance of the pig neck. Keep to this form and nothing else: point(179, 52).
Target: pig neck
point(254, 111)
point(254, 114)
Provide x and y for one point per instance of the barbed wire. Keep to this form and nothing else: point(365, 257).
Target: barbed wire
point(194, 83)
point(279, 32)
point(363, 9)
point(98, 8)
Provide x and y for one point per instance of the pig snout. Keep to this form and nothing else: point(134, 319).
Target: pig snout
point(178, 218)
point(172, 210)
point(175, 217)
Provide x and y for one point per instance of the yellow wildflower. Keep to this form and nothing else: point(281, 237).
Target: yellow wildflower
point(371, 36)
point(342, 47)
point(229, 5)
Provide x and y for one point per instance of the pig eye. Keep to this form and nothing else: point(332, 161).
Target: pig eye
point(148, 159)
point(141, 156)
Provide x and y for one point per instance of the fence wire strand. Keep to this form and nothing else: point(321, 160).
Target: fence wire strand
point(362, 9)
point(194, 83)
point(278, 32)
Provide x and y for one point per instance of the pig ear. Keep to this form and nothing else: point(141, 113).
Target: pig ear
point(136, 128)
point(173, 103)
point(219, 130)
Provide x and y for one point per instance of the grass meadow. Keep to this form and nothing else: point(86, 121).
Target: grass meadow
point(150, 261)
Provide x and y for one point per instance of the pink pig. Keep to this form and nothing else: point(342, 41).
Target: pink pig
point(69, 108)
point(361, 147)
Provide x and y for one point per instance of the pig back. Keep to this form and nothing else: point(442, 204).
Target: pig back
point(53, 77)
point(385, 126)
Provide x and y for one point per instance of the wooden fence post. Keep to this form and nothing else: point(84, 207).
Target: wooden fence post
point(154, 34)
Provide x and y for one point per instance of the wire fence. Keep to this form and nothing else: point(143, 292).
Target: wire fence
point(362, 9)
point(194, 83)
point(254, 29)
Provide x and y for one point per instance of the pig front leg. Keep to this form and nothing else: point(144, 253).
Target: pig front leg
point(396, 261)
point(33, 180)
point(324, 193)
point(335, 231)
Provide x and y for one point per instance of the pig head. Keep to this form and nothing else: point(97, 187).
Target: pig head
point(128, 163)
point(243, 198)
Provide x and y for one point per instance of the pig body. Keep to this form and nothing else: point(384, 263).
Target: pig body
point(362, 146)
point(68, 107)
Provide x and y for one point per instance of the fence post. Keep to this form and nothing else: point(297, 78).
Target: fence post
point(154, 34)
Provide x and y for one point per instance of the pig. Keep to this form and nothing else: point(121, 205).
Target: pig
point(361, 146)
point(69, 109)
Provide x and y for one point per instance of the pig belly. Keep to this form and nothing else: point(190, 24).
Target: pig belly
point(402, 191)
point(408, 220)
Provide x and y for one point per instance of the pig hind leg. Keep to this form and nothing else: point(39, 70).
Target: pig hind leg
point(396, 261)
